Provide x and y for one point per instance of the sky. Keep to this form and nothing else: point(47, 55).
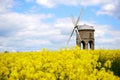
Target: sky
point(30, 25)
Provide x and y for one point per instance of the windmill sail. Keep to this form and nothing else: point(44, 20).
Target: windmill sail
point(70, 36)
point(75, 23)
point(79, 16)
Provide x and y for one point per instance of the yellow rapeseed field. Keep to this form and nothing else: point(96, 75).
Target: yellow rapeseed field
point(63, 64)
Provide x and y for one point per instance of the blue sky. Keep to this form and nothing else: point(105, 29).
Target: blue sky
point(27, 25)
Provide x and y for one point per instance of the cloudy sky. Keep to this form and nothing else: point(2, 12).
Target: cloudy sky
point(35, 24)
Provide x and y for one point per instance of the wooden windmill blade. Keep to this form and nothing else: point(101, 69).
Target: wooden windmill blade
point(81, 12)
point(73, 21)
point(70, 36)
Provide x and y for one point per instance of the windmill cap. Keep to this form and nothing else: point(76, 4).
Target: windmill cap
point(85, 27)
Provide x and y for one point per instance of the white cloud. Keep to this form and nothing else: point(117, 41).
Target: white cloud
point(6, 5)
point(47, 3)
point(93, 2)
point(53, 3)
point(106, 37)
point(21, 31)
point(28, 31)
point(65, 25)
point(17, 27)
point(108, 7)
point(14, 22)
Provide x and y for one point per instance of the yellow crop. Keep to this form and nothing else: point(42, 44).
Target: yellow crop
point(64, 64)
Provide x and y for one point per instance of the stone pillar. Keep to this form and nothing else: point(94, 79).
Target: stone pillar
point(86, 45)
point(92, 46)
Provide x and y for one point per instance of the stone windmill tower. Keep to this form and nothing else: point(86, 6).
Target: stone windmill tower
point(86, 40)
point(84, 34)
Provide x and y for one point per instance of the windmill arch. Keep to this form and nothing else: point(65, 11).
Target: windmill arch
point(90, 44)
point(82, 45)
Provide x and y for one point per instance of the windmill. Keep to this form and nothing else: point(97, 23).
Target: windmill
point(84, 34)
point(75, 23)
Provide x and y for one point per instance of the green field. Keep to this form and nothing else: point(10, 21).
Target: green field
point(63, 64)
